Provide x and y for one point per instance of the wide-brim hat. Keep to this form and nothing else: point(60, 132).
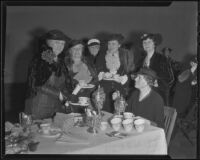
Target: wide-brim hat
point(118, 37)
point(93, 42)
point(75, 42)
point(56, 35)
point(149, 72)
point(166, 48)
point(157, 38)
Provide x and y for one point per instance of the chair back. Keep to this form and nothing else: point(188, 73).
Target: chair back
point(170, 115)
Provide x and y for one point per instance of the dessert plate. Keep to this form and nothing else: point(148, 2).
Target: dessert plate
point(79, 104)
point(52, 133)
point(89, 86)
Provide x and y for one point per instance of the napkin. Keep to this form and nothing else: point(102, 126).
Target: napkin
point(73, 138)
point(60, 119)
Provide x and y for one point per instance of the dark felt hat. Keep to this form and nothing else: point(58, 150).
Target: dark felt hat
point(56, 35)
point(166, 48)
point(157, 38)
point(149, 72)
point(118, 37)
point(75, 42)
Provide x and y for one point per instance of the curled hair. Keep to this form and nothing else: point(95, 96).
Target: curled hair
point(39, 70)
point(150, 80)
point(68, 58)
point(157, 38)
point(117, 37)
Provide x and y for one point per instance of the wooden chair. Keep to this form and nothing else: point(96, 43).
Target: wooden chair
point(170, 115)
point(189, 122)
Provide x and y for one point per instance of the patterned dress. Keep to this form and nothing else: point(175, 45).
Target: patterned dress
point(43, 98)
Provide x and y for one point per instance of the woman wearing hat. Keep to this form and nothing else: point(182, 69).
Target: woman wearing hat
point(114, 69)
point(47, 77)
point(144, 101)
point(80, 71)
point(93, 46)
point(156, 62)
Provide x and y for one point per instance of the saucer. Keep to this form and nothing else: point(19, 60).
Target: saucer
point(79, 104)
point(89, 86)
point(109, 79)
point(52, 133)
point(84, 104)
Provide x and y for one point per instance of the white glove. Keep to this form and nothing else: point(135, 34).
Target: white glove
point(76, 90)
point(124, 79)
point(100, 76)
point(61, 98)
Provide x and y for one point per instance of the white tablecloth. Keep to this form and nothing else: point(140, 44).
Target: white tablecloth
point(151, 141)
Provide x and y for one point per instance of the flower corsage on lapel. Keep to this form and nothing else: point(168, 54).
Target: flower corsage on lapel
point(48, 56)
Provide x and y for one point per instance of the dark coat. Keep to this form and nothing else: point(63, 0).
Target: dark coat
point(111, 86)
point(151, 107)
point(159, 64)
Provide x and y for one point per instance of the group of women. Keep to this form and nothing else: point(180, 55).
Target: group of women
point(61, 69)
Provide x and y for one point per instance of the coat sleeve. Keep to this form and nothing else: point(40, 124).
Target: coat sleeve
point(130, 102)
point(163, 71)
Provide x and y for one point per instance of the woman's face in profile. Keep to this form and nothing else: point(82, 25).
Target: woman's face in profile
point(140, 81)
point(76, 52)
point(148, 45)
point(113, 45)
point(56, 45)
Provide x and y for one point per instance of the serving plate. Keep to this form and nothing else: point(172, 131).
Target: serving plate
point(89, 86)
point(109, 79)
point(79, 104)
point(52, 133)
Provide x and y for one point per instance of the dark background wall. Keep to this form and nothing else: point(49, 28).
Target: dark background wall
point(177, 24)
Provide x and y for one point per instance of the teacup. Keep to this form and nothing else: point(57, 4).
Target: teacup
point(128, 115)
point(107, 75)
point(45, 127)
point(128, 124)
point(116, 123)
point(139, 124)
point(103, 126)
point(118, 116)
point(78, 119)
point(83, 100)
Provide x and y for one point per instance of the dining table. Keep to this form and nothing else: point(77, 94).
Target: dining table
point(151, 141)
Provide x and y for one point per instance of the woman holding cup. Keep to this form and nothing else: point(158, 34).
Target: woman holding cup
point(81, 73)
point(113, 73)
